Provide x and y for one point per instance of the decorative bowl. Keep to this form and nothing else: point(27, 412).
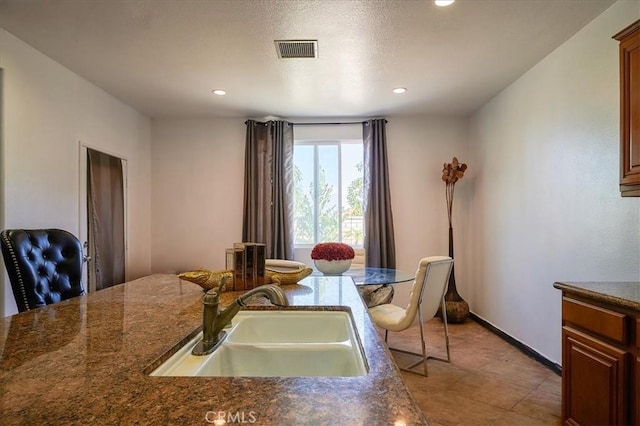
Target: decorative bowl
point(332, 267)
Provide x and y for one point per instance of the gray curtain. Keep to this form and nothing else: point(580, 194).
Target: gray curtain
point(105, 208)
point(268, 187)
point(379, 241)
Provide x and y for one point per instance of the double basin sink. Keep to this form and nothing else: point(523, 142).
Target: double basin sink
point(277, 343)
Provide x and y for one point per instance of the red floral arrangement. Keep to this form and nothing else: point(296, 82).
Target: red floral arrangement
point(332, 251)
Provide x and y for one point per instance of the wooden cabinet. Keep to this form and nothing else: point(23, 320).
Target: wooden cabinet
point(629, 39)
point(599, 364)
point(596, 392)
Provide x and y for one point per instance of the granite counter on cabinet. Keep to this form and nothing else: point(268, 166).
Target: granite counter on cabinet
point(600, 352)
point(82, 361)
point(625, 295)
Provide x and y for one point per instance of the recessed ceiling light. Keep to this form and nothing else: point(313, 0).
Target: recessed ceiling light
point(399, 90)
point(219, 92)
point(443, 3)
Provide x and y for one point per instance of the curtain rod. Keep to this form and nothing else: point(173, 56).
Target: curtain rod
point(322, 123)
point(319, 124)
point(330, 124)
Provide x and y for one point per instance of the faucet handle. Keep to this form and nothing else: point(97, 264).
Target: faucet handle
point(213, 294)
point(211, 297)
point(223, 281)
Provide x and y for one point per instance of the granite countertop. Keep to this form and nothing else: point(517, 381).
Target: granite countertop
point(81, 361)
point(621, 294)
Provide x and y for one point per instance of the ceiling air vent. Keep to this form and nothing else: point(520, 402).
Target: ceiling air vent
point(297, 48)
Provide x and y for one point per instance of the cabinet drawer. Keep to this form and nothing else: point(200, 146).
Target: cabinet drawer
point(610, 324)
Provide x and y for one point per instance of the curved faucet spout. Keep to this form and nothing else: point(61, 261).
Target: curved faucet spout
point(272, 292)
point(213, 321)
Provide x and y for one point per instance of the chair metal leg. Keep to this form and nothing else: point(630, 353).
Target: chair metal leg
point(423, 344)
point(423, 355)
point(446, 328)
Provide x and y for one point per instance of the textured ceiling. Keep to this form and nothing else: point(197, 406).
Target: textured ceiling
point(165, 57)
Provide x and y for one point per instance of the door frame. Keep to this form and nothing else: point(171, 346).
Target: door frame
point(83, 224)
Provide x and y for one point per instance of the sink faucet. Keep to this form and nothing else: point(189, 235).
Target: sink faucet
point(213, 321)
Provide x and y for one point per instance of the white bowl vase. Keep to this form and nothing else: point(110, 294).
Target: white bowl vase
point(332, 267)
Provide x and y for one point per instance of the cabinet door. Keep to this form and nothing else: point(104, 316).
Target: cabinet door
point(595, 374)
point(630, 110)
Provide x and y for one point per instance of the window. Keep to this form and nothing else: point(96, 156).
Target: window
point(328, 192)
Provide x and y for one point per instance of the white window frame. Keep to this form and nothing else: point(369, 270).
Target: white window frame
point(316, 143)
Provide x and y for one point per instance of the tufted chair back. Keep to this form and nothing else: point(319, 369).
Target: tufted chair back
point(44, 265)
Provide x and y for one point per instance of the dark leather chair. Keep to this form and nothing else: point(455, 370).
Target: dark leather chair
point(44, 266)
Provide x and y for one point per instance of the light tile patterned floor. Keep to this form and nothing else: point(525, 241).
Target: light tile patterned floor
point(489, 382)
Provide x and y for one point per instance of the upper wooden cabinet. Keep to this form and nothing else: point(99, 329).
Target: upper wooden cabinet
point(629, 39)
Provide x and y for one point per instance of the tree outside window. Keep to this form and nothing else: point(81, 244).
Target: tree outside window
point(328, 193)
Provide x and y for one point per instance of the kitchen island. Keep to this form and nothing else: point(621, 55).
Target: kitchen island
point(85, 361)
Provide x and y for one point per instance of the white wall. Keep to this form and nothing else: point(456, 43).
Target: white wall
point(417, 148)
point(197, 194)
point(544, 204)
point(47, 111)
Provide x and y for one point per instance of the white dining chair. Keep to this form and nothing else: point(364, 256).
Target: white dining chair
point(429, 286)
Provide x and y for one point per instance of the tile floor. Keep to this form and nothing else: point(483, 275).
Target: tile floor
point(489, 382)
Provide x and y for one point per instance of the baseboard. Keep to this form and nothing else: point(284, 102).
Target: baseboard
point(531, 353)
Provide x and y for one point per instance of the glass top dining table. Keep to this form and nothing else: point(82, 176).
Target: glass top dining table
point(376, 276)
